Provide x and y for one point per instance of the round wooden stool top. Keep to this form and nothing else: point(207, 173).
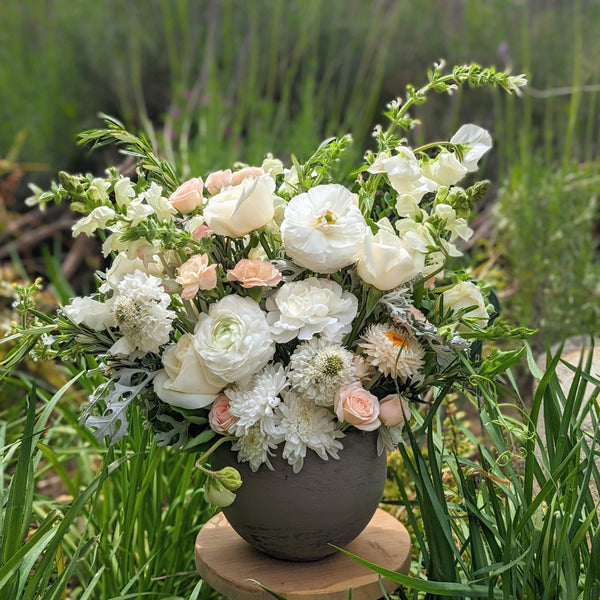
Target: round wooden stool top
point(233, 567)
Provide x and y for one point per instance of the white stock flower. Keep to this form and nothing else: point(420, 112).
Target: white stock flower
point(240, 209)
point(444, 169)
point(97, 219)
point(233, 338)
point(184, 382)
point(256, 401)
point(304, 425)
point(309, 307)
point(91, 313)
point(323, 229)
point(478, 140)
point(464, 295)
point(317, 368)
point(142, 313)
point(388, 260)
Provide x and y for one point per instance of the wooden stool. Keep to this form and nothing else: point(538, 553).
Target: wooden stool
point(232, 567)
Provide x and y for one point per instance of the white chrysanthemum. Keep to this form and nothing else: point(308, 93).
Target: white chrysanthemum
point(141, 309)
point(323, 229)
point(255, 448)
point(309, 307)
point(393, 351)
point(318, 368)
point(304, 425)
point(256, 401)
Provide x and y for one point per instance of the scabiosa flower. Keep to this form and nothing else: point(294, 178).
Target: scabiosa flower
point(255, 402)
point(318, 368)
point(141, 309)
point(255, 448)
point(305, 425)
point(393, 351)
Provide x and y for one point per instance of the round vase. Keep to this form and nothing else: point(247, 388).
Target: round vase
point(296, 516)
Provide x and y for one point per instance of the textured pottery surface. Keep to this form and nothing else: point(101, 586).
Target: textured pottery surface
point(294, 516)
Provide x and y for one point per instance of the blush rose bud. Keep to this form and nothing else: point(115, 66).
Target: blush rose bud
point(392, 409)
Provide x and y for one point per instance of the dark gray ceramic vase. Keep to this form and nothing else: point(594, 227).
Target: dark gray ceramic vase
point(294, 516)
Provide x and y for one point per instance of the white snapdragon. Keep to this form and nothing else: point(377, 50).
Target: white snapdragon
point(161, 206)
point(97, 219)
point(457, 226)
point(323, 229)
point(444, 169)
point(124, 192)
point(309, 307)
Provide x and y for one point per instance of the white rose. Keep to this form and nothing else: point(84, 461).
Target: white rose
point(323, 229)
point(233, 340)
point(477, 139)
point(184, 382)
point(239, 209)
point(464, 295)
point(309, 307)
point(123, 265)
point(389, 261)
point(444, 169)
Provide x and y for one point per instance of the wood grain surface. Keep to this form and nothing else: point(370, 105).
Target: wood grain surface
point(232, 567)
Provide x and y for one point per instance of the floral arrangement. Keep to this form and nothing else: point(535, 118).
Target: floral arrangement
point(278, 305)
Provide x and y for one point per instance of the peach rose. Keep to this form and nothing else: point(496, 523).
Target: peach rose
point(219, 417)
point(256, 272)
point(217, 180)
point(392, 409)
point(196, 274)
point(242, 174)
point(355, 405)
point(188, 196)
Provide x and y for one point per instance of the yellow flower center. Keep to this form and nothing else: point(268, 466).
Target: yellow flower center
point(396, 338)
point(328, 217)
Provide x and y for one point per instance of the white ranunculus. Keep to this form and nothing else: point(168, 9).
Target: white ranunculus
point(323, 229)
point(477, 139)
point(184, 382)
point(309, 307)
point(93, 314)
point(444, 169)
point(240, 209)
point(464, 295)
point(233, 339)
point(405, 174)
point(389, 261)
